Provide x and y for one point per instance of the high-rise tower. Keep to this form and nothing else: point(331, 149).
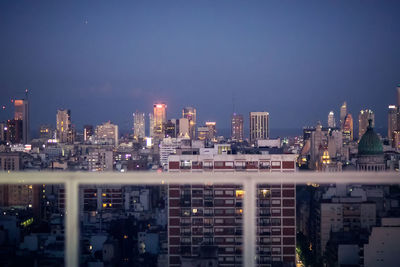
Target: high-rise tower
point(363, 118)
point(160, 118)
point(21, 112)
point(237, 132)
point(190, 114)
point(331, 119)
point(139, 125)
point(259, 126)
point(343, 113)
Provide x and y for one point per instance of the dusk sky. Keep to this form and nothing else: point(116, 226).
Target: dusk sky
point(105, 59)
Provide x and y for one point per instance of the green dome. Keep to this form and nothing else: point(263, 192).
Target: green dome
point(370, 144)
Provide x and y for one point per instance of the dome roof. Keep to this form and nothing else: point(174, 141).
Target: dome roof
point(370, 143)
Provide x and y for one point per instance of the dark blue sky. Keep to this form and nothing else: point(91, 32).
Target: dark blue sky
point(296, 59)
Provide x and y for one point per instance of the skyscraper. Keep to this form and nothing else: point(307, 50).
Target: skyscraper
point(87, 132)
point(45, 132)
point(190, 114)
point(151, 125)
point(392, 120)
point(363, 118)
point(184, 127)
point(139, 125)
point(107, 133)
point(343, 113)
point(259, 126)
point(348, 134)
point(237, 132)
point(398, 95)
point(212, 130)
point(22, 113)
point(160, 118)
point(331, 119)
point(64, 129)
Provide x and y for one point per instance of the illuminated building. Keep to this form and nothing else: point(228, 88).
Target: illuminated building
point(170, 129)
point(139, 125)
point(45, 132)
point(151, 125)
point(88, 132)
point(237, 129)
point(184, 128)
point(21, 112)
point(14, 132)
point(64, 127)
point(259, 126)
point(398, 95)
point(16, 195)
point(100, 160)
point(392, 121)
point(202, 132)
point(396, 139)
point(160, 118)
point(348, 129)
point(3, 132)
point(107, 133)
point(190, 114)
point(363, 118)
point(212, 214)
point(343, 113)
point(212, 130)
point(331, 120)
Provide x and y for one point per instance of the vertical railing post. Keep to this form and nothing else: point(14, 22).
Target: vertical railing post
point(249, 222)
point(72, 223)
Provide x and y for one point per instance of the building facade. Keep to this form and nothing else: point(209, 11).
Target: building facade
point(212, 214)
point(259, 126)
point(21, 112)
point(107, 133)
point(331, 119)
point(160, 118)
point(190, 114)
point(363, 118)
point(237, 127)
point(139, 125)
point(64, 126)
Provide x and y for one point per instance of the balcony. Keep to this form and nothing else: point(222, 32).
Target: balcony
point(72, 181)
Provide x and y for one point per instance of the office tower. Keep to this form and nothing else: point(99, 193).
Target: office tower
point(100, 159)
point(64, 128)
point(45, 132)
point(343, 113)
point(398, 95)
point(363, 123)
point(170, 129)
point(331, 119)
point(151, 125)
point(3, 131)
point(212, 130)
point(22, 113)
point(202, 132)
point(14, 133)
point(190, 114)
point(237, 132)
point(160, 118)
point(348, 134)
point(392, 121)
point(184, 127)
point(88, 132)
point(107, 133)
point(259, 126)
point(211, 214)
point(139, 125)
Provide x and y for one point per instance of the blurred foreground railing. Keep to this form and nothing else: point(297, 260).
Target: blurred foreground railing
point(72, 181)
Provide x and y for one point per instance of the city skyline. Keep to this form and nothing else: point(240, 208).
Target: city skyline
point(280, 60)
